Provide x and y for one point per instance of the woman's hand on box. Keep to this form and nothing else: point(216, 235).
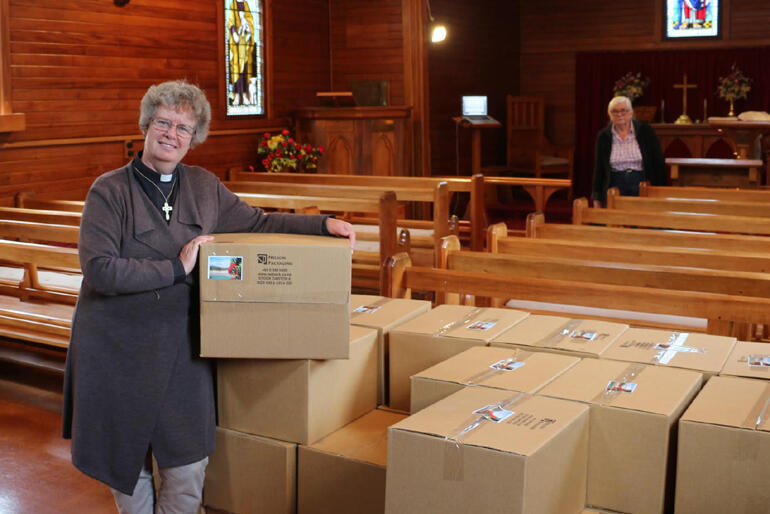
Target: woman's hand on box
point(341, 228)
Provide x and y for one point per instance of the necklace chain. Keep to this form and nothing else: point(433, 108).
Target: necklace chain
point(166, 207)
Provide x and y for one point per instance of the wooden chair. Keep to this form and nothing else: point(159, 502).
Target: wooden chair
point(528, 150)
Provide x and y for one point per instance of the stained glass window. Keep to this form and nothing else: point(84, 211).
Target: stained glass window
point(692, 18)
point(244, 57)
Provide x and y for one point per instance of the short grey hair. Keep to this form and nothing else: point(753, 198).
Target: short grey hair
point(619, 100)
point(177, 94)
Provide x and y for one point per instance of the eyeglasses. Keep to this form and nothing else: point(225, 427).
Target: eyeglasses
point(182, 131)
point(619, 112)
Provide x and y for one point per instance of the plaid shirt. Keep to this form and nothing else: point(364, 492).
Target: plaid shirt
point(625, 154)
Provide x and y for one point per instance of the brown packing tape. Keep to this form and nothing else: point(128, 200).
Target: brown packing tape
point(554, 337)
point(472, 315)
point(369, 308)
point(759, 415)
point(627, 376)
point(492, 370)
point(453, 447)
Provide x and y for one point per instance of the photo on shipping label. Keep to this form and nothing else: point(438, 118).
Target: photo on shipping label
point(368, 309)
point(621, 387)
point(482, 325)
point(221, 267)
point(760, 361)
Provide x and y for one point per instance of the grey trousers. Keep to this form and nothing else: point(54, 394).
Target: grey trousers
point(181, 491)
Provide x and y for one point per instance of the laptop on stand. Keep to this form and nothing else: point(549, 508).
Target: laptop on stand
point(475, 110)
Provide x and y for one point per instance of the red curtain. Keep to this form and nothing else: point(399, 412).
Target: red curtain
point(596, 72)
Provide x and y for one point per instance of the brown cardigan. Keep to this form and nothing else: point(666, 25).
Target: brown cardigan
point(134, 379)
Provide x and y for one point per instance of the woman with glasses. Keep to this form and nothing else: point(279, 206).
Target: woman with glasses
point(627, 153)
point(134, 384)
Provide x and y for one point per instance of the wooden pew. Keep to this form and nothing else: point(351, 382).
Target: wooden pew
point(711, 193)
point(715, 171)
point(583, 214)
point(537, 227)
point(539, 189)
point(367, 271)
point(698, 205)
point(437, 195)
point(53, 217)
point(30, 311)
point(726, 314)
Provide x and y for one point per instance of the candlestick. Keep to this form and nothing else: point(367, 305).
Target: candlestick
point(663, 111)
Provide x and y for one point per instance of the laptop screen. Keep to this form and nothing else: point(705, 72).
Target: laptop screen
point(474, 105)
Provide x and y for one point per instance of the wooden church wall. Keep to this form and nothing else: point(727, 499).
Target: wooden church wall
point(367, 44)
point(552, 34)
point(480, 56)
point(78, 69)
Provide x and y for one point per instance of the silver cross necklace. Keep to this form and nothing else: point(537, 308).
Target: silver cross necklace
point(166, 207)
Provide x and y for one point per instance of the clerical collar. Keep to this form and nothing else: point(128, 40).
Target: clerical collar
point(150, 173)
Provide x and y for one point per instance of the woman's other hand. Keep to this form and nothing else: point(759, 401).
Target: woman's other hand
point(189, 253)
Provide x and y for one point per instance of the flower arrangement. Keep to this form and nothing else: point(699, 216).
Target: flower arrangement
point(630, 85)
point(282, 153)
point(734, 85)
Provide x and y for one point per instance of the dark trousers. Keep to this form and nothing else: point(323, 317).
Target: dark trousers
point(627, 182)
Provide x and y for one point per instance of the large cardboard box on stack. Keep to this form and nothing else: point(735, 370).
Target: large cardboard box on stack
point(699, 352)
point(383, 314)
point(503, 368)
point(275, 296)
point(344, 473)
point(248, 473)
point(299, 400)
point(634, 409)
point(451, 457)
point(748, 359)
point(579, 337)
point(723, 464)
point(437, 335)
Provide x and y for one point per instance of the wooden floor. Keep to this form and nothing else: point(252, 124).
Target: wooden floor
point(36, 475)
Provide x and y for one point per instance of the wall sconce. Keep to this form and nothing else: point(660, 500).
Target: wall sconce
point(438, 31)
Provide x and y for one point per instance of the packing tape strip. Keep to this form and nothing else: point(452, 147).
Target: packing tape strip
point(554, 337)
point(760, 412)
point(369, 308)
point(673, 347)
point(623, 383)
point(453, 447)
point(499, 367)
point(459, 323)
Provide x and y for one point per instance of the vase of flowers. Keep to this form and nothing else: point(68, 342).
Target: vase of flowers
point(733, 86)
point(281, 152)
point(630, 85)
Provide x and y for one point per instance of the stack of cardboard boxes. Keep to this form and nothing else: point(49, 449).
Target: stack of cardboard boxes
point(509, 411)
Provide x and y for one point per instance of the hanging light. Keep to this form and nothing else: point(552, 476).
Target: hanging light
point(438, 31)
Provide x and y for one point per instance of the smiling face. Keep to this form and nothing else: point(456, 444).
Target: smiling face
point(165, 148)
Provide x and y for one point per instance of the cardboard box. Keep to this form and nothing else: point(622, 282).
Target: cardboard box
point(448, 459)
point(723, 463)
point(699, 352)
point(503, 368)
point(748, 359)
point(299, 400)
point(578, 337)
point(383, 314)
point(248, 473)
point(634, 410)
point(437, 335)
point(344, 473)
point(275, 296)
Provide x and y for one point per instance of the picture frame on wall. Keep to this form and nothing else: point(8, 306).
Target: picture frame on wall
point(244, 57)
point(692, 19)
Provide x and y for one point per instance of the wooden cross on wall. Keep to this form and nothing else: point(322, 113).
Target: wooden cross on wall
point(684, 86)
